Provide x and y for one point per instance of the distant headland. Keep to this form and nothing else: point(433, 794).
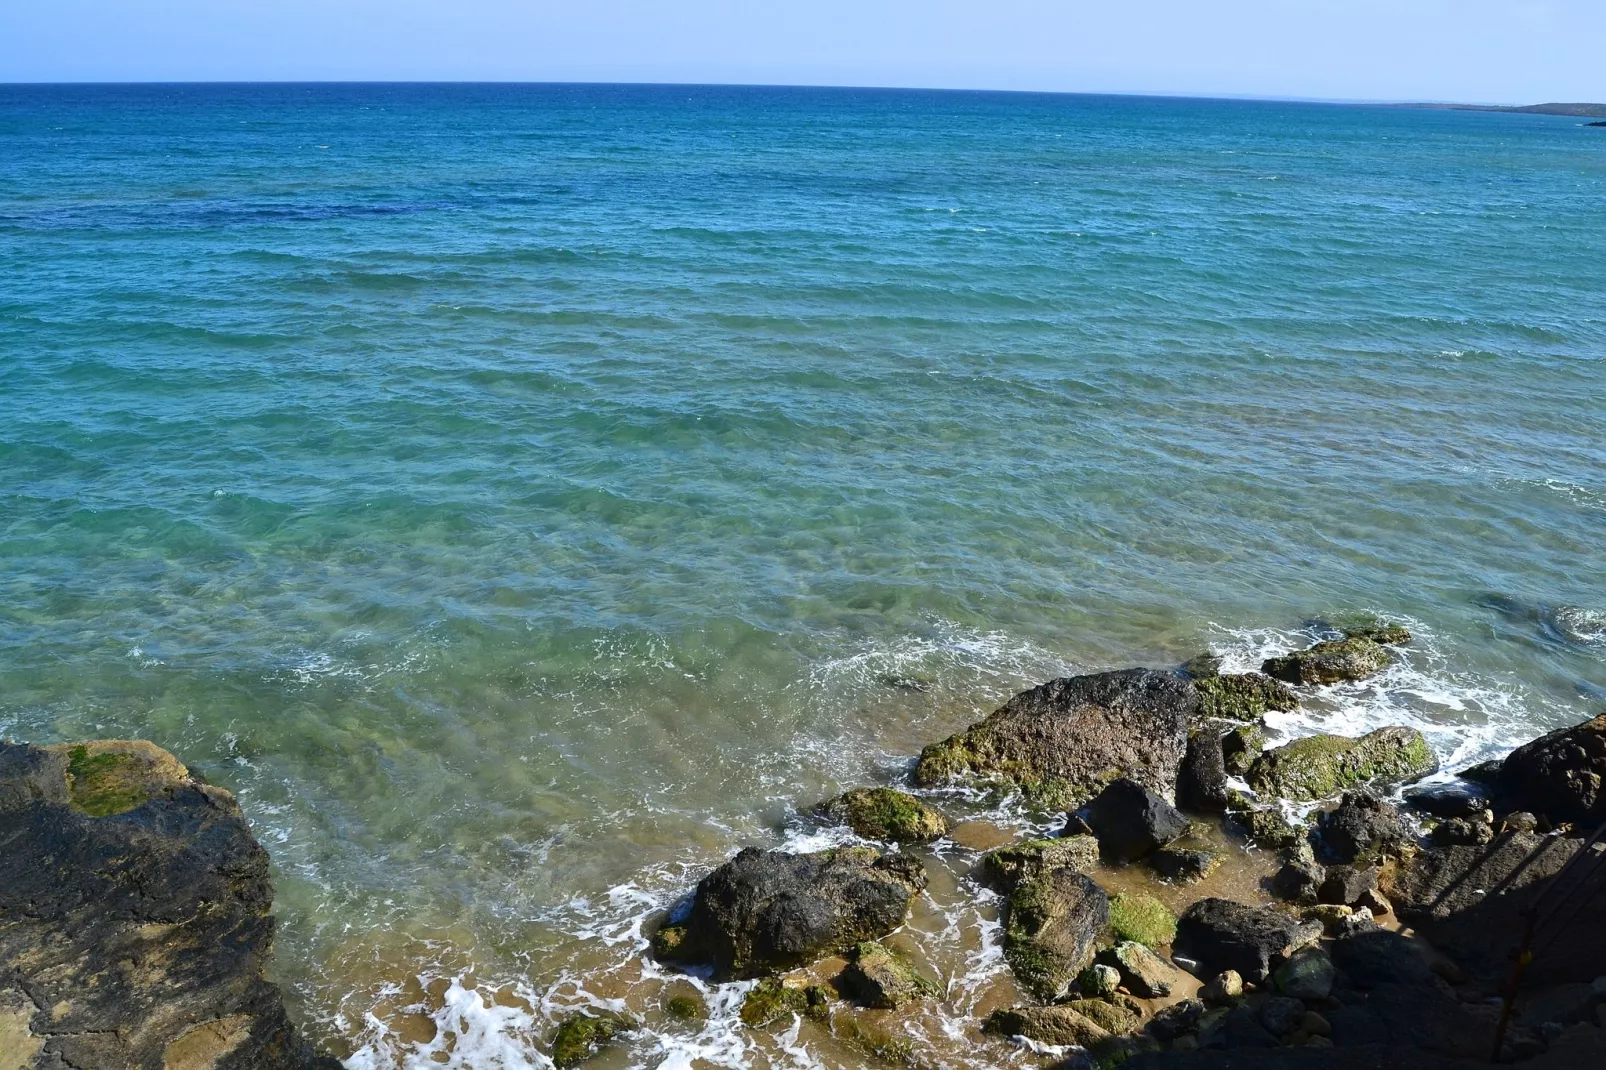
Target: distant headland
point(1582, 111)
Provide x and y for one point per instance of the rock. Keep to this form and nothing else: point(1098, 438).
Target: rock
point(879, 977)
point(1145, 974)
point(1373, 901)
point(1314, 1025)
point(1358, 920)
point(1201, 666)
point(1379, 955)
point(1182, 864)
point(1241, 746)
point(1280, 1015)
point(1052, 926)
point(1117, 1014)
point(1142, 919)
point(1330, 662)
point(1454, 798)
point(1362, 828)
point(1060, 1026)
point(1387, 633)
point(1244, 696)
point(1130, 821)
point(1099, 980)
point(773, 1000)
point(1461, 830)
point(1202, 780)
point(1062, 742)
point(886, 814)
point(1003, 869)
point(1241, 1029)
point(1308, 974)
point(1316, 767)
point(1298, 881)
point(1328, 914)
point(1225, 987)
point(135, 907)
point(1521, 821)
point(1176, 1020)
point(1268, 827)
point(580, 1036)
point(1223, 935)
point(1561, 775)
point(686, 1004)
point(1345, 885)
point(768, 911)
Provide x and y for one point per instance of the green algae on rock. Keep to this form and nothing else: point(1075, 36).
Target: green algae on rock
point(1243, 696)
point(1060, 1025)
point(1319, 766)
point(773, 999)
point(581, 1036)
point(1241, 746)
point(1053, 923)
point(113, 776)
point(887, 814)
point(1141, 919)
point(882, 978)
point(1006, 867)
point(1330, 662)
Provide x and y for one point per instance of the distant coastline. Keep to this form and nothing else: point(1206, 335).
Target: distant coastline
point(1578, 111)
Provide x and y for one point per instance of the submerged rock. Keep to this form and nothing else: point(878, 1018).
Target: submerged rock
point(1561, 775)
point(1003, 869)
point(879, 977)
point(1060, 743)
point(767, 911)
point(1221, 935)
point(580, 1036)
point(1329, 662)
point(1244, 696)
point(887, 814)
point(1308, 974)
point(1361, 828)
point(1316, 767)
point(1386, 632)
point(1054, 921)
point(1130, 821)
point(134, 913)
point(1202, 780)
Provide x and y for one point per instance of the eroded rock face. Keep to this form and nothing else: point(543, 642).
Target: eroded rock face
point(1060, 743)
point(768, 911)
point(1318, 766)
point(134, 924)
point(1334, 661)
point(1561, 775)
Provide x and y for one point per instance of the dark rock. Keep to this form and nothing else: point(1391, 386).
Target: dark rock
point(1062, 742)
point(1298, 881)
point(1473, 832)
point(1454, 798)
point(1183, 865)
point(1361, 828)
point(1486, 773)
point(1202, 781)
point(1386, 632)
point(768, 911)
point(1280, 1015)
point(1346, 885)
point(1357, 921)
point(1241, 746)
point(1060, 1026)
point(1131, 821)
point(1310, 1057)
point(1561, 775)
point(1052, 927)
point(1329, 662)
point(580, 1036)
point(134, 913)
point(1003, 869)
point(1308, 974)
point(1372, 958)
point(1521, 821)
point(879, 977)
point(886, 814)
point(1268, 827)
point(1244, 696)
point(1222, 935)
point(1241, 1029)
point(1316, 767)
point(1179, 1018)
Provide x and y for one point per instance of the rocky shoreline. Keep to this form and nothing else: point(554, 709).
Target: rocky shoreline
point(1384, 933)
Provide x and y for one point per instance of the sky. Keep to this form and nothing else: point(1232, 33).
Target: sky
point(1496, 51)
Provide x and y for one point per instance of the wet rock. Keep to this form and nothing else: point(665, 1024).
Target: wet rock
point(1201, 666)
point(1052, 927)
point(1308, 974)
point(1330, 662)
point(1145, 974)
point(879, 977)
point(1177, 1019)
point(1345, 885)
point(1183, 865)
point(1222, 935)
point(1454, 798)
point(1142, 919)
point(1561, 775)
point(1202, 780)
point(886, 814)
point(1314, 1025)
point(1298, 881)
point(1387, 633)
point(1241, 746)
point(1362, 828)
point(772, 1000)
point(1374, 901)
point(1225, 987)
point(1099, 980)
point(1358, 920)
point(581, 1036)
point(134, 908)
point(1280, 1015)
point(1268, 827)
point(1062, 742)
point(1060, 1026)
point(1328, 914)
point(1473, 832)
point(1117, 1014)
point(1003, 869)
point(1378, 956)
point(684, 1003)
point(769, 911)
point(1241, 1029)
point(1130, 821)
point(1244, 696)
point(1316, 767)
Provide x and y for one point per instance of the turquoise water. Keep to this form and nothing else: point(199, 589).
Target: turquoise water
point(523, 496)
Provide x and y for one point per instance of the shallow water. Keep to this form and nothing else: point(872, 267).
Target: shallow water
point(524, 496)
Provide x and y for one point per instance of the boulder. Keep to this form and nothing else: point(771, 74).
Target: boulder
point(1238, 1029)
point(1376, 956)
point(1130, 821)
point(1099, 981)
point(1468, 831)
point(1280, 1015)
point(1298, 880)
point(769, 911)
point(772, 1000)
point(1141, 918)
point(1562, 775)
point(1361, 828)
point(1268, 827)
point(1060, 1026)
point(1225, 987)
point(1202, 780)
point(1330, 662)
point(1222, 935)
point(1308, 974)
point(1316, 767)
point(1241, 746)
point(1451, 798)
point(1243, 696)
point(1060, 743)
point(1183, 865)
point(1177, 1019)
point(580, 1036)
point(1145, 974)
point(877, 976)
point(1052, 927)
point(1115, 1014)
point(1003, 869)
point(1378, 631)
point(1347, 885)
point(886, 814)
point(135, 915)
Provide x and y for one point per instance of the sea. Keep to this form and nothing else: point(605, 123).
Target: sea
point(524, 496)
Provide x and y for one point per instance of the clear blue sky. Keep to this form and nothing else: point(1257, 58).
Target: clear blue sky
point(1479, 50)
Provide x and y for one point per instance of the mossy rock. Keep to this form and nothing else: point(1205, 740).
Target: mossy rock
point(1006, 867)
point(878, 1044)
point(113, 776)
point(1142, 919)
point(686, 1006)
point(1118, 1014)
point(1387, 633)
point(1268, 827)
point(880, 977)
point(1060, 1025)
point(1330, 662)
point(1320, 766)
point(581, 1036)
point(772, 999)
point(887, 814)
point(1052, 927)
point(1241, 746)
point(1202, 666)
point(1243, 696)
point(668, 942)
